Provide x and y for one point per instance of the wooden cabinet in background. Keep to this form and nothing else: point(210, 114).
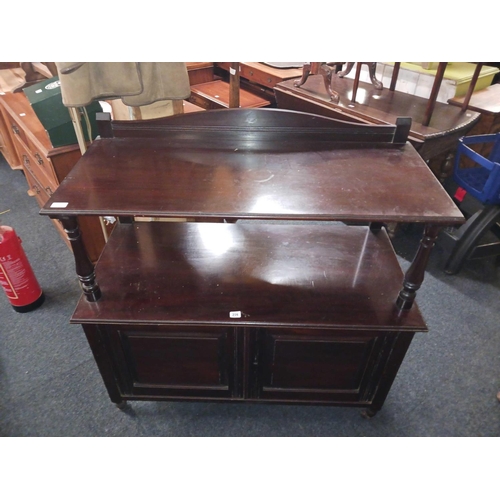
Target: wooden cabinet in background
point(7, 147)
point(27, 147)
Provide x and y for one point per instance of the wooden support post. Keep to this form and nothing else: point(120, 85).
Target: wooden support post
point(434, 93)
point(84, 267)
point(77, 124)
point(395, 74)
point(415, 274)
point(470, 90)
point(234, 85)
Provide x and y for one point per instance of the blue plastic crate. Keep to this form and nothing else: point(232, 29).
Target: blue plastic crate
point(483, 179)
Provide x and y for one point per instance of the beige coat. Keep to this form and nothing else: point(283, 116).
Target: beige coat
point(136, 83)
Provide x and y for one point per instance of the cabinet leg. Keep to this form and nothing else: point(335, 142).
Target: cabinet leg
point(84, 267)
point(415, 274)
point(122, 405)
point(368, 413)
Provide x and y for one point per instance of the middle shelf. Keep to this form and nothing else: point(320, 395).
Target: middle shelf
point(325, 275)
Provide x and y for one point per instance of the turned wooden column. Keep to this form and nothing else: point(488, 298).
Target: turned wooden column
point(83, 265)
point(234, 85)
point(415, 274)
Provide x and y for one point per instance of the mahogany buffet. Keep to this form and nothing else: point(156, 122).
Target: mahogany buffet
point(283, 285)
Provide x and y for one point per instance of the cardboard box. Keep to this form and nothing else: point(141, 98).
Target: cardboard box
point(46, 101)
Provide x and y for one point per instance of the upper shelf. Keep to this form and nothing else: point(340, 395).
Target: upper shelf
point(260, 163)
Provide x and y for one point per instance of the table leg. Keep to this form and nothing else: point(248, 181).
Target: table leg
point(472, 86)
point(317, 68)
point(84, 267)
point(415, 274)
point(434, 93)
point(372, 68)
point(395, 74)
point(306, 70)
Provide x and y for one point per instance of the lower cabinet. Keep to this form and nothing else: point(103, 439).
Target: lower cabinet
point(353, 368)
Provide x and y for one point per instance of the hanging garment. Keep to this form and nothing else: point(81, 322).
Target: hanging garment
point(136, 83)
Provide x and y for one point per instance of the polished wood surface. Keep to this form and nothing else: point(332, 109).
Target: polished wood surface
point(384, 106)
point(217, 94)
point(262, 73)
point(177, 361)
point(275, 274)
point(482, 101)
point(232, 364)
point(435, 143)
point(200, 72)
point(220, 175)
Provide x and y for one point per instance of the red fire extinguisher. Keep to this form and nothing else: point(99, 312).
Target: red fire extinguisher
point(16, 275)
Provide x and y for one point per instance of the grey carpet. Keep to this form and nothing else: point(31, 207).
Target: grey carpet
point(50, 386)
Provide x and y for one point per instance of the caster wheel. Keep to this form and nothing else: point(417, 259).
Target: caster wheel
point(368, 413)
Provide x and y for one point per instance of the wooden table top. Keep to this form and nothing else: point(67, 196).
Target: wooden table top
point(483, 101)
point(384, 106)
point(167, 176)
point(276, 274)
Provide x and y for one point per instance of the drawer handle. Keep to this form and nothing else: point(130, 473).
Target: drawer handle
point(49, 191)
point(15, 129)
point(26, 165)
point(39, 159)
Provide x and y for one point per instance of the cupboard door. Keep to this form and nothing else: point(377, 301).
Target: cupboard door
point(176, 362)
point(318, 365)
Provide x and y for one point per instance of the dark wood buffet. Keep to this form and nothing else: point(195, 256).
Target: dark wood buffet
point(283, 287)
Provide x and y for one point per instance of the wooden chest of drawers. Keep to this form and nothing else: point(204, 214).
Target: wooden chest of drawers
point(26, 146)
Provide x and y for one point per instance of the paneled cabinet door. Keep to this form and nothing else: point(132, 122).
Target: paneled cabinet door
point(172, 362)
point(318, 365)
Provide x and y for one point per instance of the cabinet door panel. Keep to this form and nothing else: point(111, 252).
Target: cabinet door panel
point(174, 361)
point(317, 365)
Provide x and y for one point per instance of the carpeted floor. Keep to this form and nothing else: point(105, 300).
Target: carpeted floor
point(50, 386)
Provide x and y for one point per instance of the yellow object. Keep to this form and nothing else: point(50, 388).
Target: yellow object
point(458, 72)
